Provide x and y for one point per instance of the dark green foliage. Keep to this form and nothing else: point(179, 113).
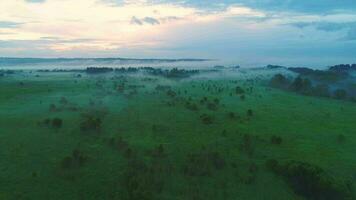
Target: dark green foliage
point(274, 67)
point(173, 73)
point(212, 106)
point(272, 165)
point(47, 121)
point(63, 101)
point(57, 123)
point(158, 152)
point(279, 81)
point(76, 160)
point(246, 145)
point(121, 144)
point(203, 163)
point(301, 85)
point(321, 90)
point(207, 119)
point(309, 181)
point(98, 70)
point(163, 87)
point(52, 108)
point(341, 138)
point(144, 181)
point(120, 88)
point(231, 115)
point(343, 67)
point(249, 113)
point(217, 101)
point(239, 90)
point(276, 140)
point(171, 93)
point(253, 168)
point(320, 75)
point(91, 123)
point(191, 106)
point(340, 94)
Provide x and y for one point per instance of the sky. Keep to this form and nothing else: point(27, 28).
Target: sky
point(251, 32)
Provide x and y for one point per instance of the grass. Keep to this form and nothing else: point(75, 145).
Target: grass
point(144, 119)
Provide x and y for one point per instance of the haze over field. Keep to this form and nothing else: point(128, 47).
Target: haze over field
point(294, 32)
point(177, 100)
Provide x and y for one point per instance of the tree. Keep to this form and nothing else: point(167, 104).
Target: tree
point(340, 94)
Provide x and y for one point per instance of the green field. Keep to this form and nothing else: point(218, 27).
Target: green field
point(137, 136)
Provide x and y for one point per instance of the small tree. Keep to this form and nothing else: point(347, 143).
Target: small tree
point(57, 123)
point(340, 94)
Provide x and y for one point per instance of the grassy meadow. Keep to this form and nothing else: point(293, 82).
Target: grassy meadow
point(217, 135)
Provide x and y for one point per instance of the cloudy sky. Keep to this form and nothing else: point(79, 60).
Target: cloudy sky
point(290, 32)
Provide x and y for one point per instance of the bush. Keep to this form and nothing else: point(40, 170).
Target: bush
point(76, 160)
point(321, 90)
point(341, 138)
point(206, 119)
point(191, 106)
point(231, 115)
point(340, 94)
point(212, 106)
point(57, 123)
point(239, 90)
point(301, 85)
point(276, 140)
point(52, 108)
point(246, 145)
point(309, 181)
point(91, 123)
point(249, 113)
point(203, 163)
point(279, 81)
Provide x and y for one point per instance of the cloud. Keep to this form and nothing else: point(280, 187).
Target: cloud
point(325, 26)
point(135, 20)
point(302, 6)
point(155, 28)
point(150, 20)
point(9, 24)
point(351, 34)
point(35, 1)
point(348, 28)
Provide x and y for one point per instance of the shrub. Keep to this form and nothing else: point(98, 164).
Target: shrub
point(231, 115)
point(239, 90)
point(341, 138)
point(91, 123)
point(77, 159)
point(276, 140)
point(301, 85)
point(203, 163)
point(321, 90)
point(340, 94)
point(246, 145)
point(309, 181)
point(212, 106)
point(191, 106)
point(207, 119)
point(171, 93)
point(52, 108)
point(249, 113)
point(141, 181)
point(279, 81)
point(57, 123)
point(63, 100)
